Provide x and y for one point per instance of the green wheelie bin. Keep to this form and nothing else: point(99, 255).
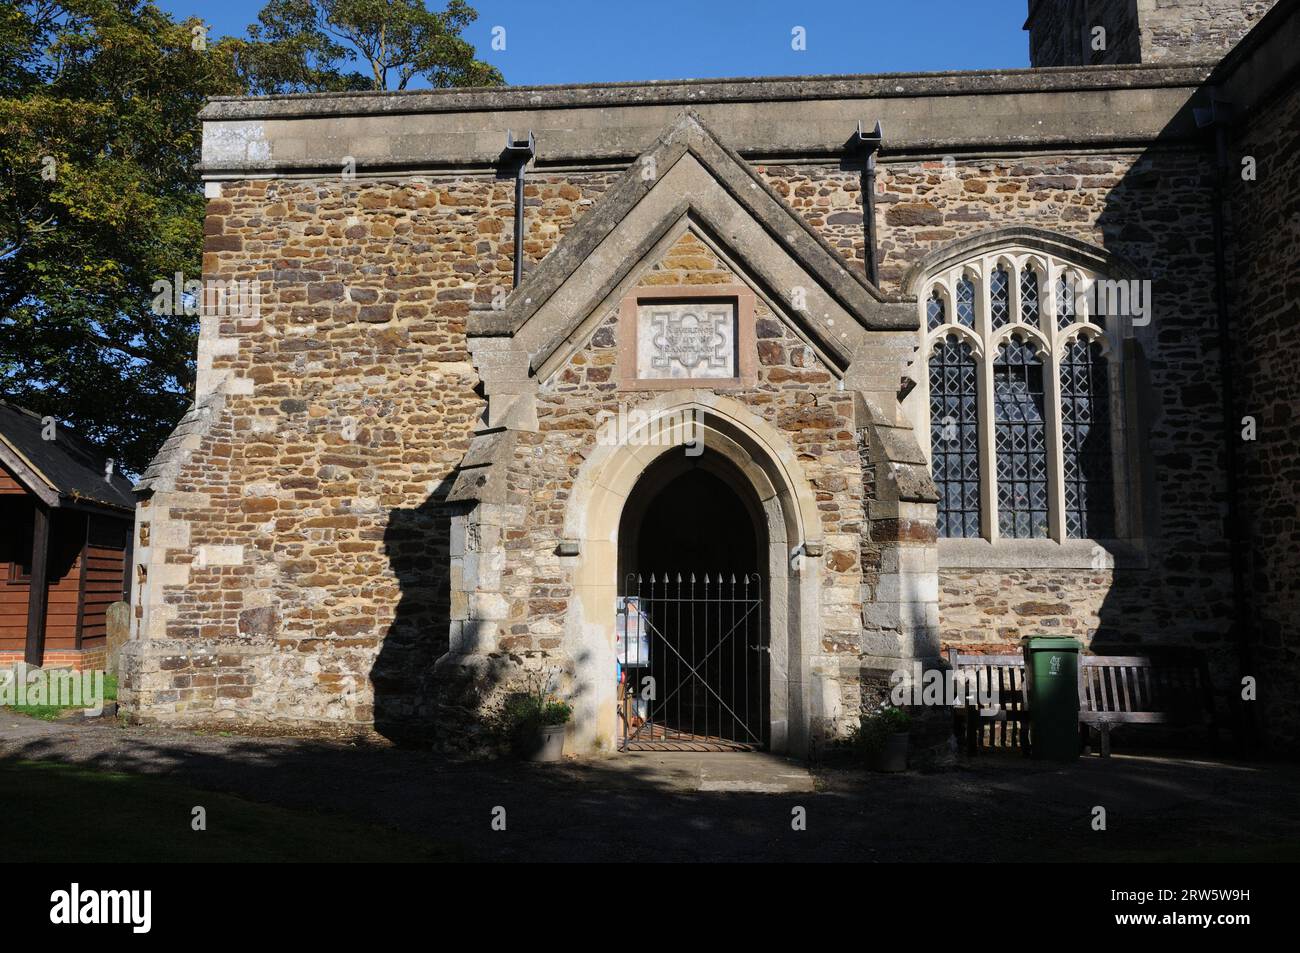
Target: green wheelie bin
point(1052, 689)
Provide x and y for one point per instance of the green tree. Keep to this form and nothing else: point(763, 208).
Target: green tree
point(338, 45)
point(98, 134)
point(98, 196)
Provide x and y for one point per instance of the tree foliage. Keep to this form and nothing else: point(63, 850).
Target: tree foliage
point(99, 198)
point(341, 45)
point(98, 134)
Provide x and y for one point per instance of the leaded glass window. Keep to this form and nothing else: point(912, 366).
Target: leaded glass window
point(1064, 302)
point(1045, 470)
point(1029, 296)
point(1020, 438)
point(934, 311)
point(1085, 442)
point(1099, 301)
point(954, 437)
point(999, 297)
point(966, 302)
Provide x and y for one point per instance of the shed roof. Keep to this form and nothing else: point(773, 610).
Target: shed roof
point(64, 471)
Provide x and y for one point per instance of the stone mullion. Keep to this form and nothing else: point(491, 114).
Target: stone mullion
point(1014, 266)
point(987, 429)
point(1055, 448)
point(1047, 313)
point(923, 386)
point(1052, 396)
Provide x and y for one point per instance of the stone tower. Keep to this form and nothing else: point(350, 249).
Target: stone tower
point(1065, 32)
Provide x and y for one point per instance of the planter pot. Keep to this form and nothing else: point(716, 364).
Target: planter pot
point(893, 756)
point(544, 744)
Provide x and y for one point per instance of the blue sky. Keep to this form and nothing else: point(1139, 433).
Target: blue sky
point(567, 41)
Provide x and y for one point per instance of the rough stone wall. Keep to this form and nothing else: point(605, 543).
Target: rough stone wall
point(1061, 32)
point(1180, 31)
point(1265, 217)
point(302, 547)
point(1127, 204)
point(794, 393)
point(986, 609)
point(1131, 206)
point(1139, 31)
point(829, 199)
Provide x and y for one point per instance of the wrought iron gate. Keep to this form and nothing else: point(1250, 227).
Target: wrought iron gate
point(693, 660)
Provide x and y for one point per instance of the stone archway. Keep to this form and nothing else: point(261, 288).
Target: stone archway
point(759, 456)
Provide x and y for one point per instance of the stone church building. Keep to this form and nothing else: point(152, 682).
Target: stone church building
point(978, 372)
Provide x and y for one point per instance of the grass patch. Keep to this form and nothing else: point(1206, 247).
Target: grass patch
point(54, 712)
point(78, 815)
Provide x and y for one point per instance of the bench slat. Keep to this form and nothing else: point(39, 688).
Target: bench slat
point(1145, 691)
point(1128, 717)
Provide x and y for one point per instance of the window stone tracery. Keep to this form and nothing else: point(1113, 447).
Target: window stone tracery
point(1021, 399)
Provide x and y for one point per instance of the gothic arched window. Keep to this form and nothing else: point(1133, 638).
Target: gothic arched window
point(999, 297)
point(1020, 399)
point(954, 438)
point(1029, 297)
point(1085, 441)
point(934, 311)
point(1064, 302)
point(1020, 440)
point(965, 302)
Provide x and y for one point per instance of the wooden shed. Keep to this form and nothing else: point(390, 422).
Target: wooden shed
point(65, 538)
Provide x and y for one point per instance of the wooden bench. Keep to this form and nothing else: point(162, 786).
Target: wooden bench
point(1113, 690)
point(1140, 690)
point(1005, 675)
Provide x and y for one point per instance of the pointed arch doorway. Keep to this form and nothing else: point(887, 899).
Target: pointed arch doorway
point(753, 458)
point(695, 657)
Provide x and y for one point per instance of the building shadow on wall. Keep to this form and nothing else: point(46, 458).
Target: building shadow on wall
point(417, 542)
point(416, 703)
point(1171, 594)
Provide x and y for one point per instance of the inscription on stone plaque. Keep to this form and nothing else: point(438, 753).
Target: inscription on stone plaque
point(686, 341)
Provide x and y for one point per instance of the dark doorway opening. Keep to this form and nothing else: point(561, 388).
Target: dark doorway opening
point(693, 612)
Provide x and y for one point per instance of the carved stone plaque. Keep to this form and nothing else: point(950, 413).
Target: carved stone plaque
point(686, 340)
point(674, 336)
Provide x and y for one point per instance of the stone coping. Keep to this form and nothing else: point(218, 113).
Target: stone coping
point(696, 91)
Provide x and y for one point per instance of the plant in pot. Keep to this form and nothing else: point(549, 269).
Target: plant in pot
point(534, 722)
point(883, 739)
